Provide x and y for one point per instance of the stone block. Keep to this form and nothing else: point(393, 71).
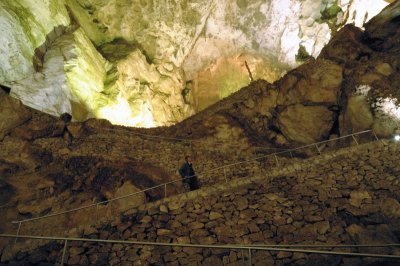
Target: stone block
point(215, 215)
point(241, 203)
point(198, 233)
point(195, 225)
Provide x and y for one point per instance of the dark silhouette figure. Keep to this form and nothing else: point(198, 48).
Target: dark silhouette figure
point(186, 171)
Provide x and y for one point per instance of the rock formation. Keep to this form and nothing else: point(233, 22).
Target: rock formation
point(350, 87)
point(50, 164)
point(313, 201)
point(157, 62)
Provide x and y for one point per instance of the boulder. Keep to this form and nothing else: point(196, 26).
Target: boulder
point(346, 46)
point(132, 201)
point(305, 124)
point(358, 115)
point(314, 82)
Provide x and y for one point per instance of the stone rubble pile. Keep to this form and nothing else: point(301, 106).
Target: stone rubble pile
point(66, 164)
point(352, 198)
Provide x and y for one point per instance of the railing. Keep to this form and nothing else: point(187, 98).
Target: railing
point(187, 140)
point(248, 248)
point(223, 170)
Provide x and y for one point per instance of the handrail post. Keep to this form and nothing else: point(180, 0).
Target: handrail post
point(226, 179)
point(276, 159)
point(97, 213)
point(291, 155)
point(243, 259)
point(165, 190)
point(376, 137)
point(352, 135)
point(19, 228)
point(64, 250)
point(318, 149)
point(250, 260)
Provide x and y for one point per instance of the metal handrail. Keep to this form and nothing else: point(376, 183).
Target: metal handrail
point(260, 147)
point(332, 246)
point(184, 139)
point(294, 149)
point(181, 179)
point(216, 246)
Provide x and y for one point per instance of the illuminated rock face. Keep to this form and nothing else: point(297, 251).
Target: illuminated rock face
point(152, 63)
point(24, 26)
point(71, 79)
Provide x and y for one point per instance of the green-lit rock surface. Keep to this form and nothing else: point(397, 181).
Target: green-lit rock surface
point(24, 26)
point(152, 63)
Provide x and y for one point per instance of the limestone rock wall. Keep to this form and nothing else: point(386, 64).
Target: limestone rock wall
point(25, 26)
point(70, 80)
point(352, 86)
point(348, 197)
point(169, 59)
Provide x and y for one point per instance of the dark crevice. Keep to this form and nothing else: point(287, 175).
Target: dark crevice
point(348, 218)
point(335, 127)
point(120, 48)
point(5, 89)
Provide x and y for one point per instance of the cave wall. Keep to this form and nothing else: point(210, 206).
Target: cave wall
point(25, 25)
point(178, 52)
point(71, 79)
point(352, 86)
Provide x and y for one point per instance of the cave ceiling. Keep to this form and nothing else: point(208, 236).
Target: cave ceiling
point(153, 63)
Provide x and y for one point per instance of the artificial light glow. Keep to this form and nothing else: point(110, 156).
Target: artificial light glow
point(120, 113)
point(397, 137)
point(362, 90)
point(389, 107)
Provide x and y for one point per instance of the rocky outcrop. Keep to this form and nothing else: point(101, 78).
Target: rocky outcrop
point(302, 107)
point(308, 97)
point(350, 87)
point(368, 91)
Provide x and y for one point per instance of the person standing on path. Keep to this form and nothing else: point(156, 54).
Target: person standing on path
point(186, 171)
